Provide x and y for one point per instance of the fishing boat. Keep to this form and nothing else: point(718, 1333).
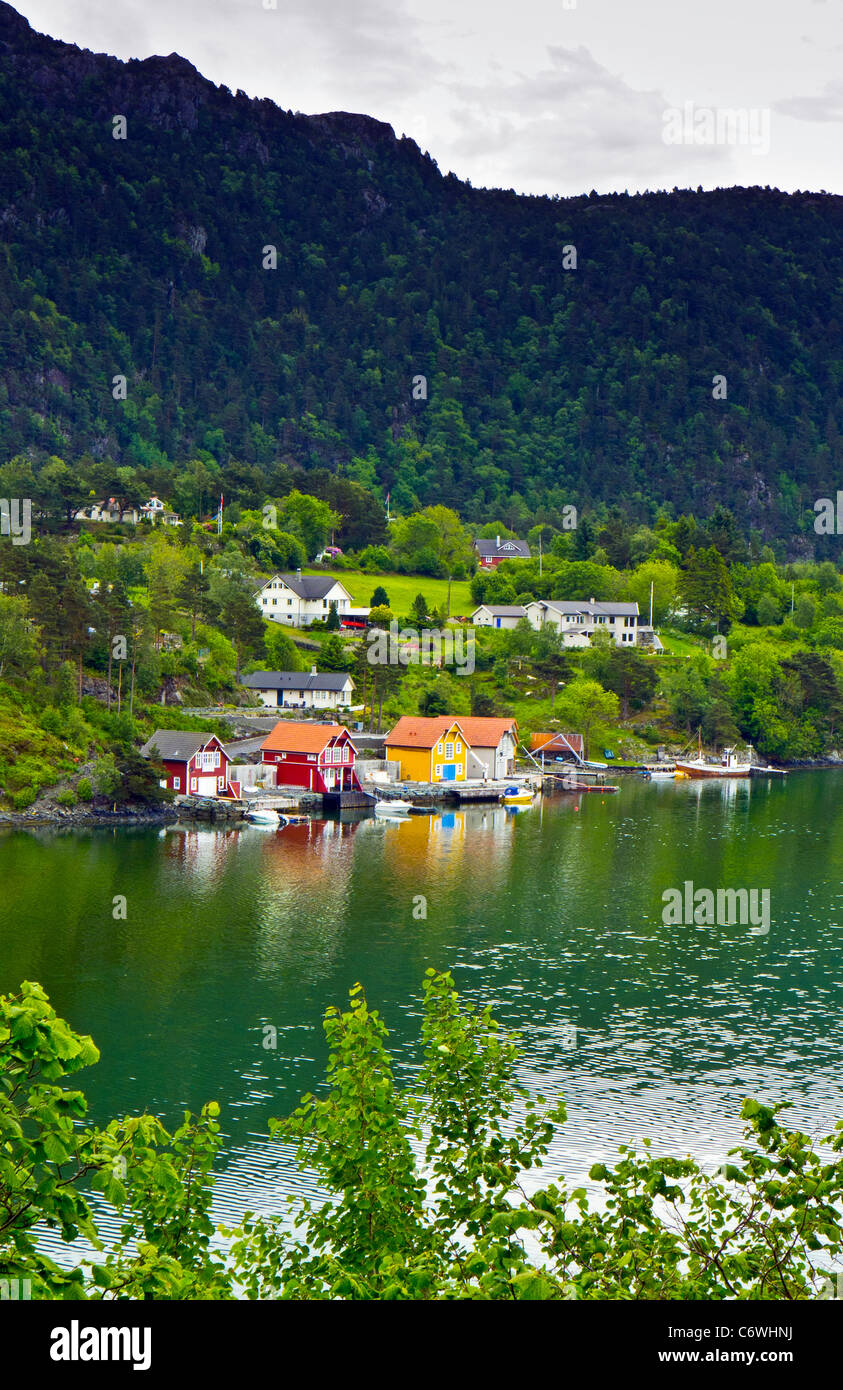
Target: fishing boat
point(657, 772)
point(730, 765)
point(517, 796)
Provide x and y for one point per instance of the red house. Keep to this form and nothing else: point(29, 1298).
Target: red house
point(196, 763)
point(319, 757)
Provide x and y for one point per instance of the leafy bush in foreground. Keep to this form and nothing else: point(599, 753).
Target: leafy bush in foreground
point(425, 1191)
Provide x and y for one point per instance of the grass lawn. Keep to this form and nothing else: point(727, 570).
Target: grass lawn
point(679, 643)
point(402, 589)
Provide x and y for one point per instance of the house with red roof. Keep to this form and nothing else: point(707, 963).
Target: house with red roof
point(317, 757)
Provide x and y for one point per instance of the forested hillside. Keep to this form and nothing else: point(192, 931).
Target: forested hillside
point(145, 257)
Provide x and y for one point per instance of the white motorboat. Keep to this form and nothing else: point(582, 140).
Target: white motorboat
point(264, 815)
point(393, 807)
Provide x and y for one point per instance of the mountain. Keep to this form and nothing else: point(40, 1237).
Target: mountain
point(546, 384)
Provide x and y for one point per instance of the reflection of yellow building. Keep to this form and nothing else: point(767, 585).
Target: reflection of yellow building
point(428, 850)
point(428, 752)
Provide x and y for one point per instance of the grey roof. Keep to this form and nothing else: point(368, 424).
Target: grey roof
point(308, 585)
point(177, 745)
point(567, 606)
point(503, 610)
point(507, 546)
point(295, 680)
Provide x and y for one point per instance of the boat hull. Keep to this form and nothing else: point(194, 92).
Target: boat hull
point(710, 770)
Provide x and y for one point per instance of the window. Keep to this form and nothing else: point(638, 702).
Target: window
point(449, 751)
point(176, 783)
point(346, 755)
point(207, 761)
point(438, 769)
point(439, 749)
point(457, 748)
point(194, 783)
point(458, 769)
point(220, 784)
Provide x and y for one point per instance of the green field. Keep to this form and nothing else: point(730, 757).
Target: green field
point(402, 589)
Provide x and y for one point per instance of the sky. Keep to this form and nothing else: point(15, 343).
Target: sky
point(542, 96)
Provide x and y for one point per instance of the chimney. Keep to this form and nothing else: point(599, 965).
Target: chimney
point(313, 671)
point(298, 573)
point(591, 600)
point(498, 542)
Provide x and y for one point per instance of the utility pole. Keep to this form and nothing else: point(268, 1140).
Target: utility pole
point(652, 581)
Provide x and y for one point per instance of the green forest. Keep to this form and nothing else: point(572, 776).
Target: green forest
point(230, 296)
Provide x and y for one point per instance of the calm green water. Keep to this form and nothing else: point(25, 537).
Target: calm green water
point(554, 916)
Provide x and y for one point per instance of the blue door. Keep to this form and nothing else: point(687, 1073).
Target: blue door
point(449, 772)
point(497, 622)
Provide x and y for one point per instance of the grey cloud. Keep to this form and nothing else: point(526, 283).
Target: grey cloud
point(826, 107)
point(574, 125)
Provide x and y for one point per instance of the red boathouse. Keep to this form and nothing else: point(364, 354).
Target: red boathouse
point(318, 757)
point(196, 763)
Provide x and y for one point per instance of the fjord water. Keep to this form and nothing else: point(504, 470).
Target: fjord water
point(553, 916)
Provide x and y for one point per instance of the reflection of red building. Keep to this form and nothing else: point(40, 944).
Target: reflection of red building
point(319, 757)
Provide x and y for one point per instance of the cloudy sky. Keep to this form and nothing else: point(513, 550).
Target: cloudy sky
point(543, 96)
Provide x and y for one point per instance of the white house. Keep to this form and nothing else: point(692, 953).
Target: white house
point(498, 615)
point(156, 510)
point(577, 621)
point(107, 511)
point(298, 600)
point(301, 689)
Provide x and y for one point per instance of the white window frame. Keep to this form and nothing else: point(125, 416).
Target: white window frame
point(176, 784)
point(438, 770)
point(194, 784)
point(449, 752)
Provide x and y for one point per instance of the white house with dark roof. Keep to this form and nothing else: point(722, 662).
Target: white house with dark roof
point(498, 615)
point(577, 621)
point(301, 599)
point(301, 689)
point(491, 552)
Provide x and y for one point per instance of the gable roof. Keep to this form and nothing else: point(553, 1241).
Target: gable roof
point(568, 607)
point(556, 743)
point(296, 680)
point(308, 586)
point(414, 731)
point(486, 732)
point(178, 745)
point(290, 737)
point(509, 545)
point(503, 610)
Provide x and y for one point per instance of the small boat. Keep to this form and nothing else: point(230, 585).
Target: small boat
point(517, 796)
point(652, 772)
point(264, 815)
point(393, 808)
